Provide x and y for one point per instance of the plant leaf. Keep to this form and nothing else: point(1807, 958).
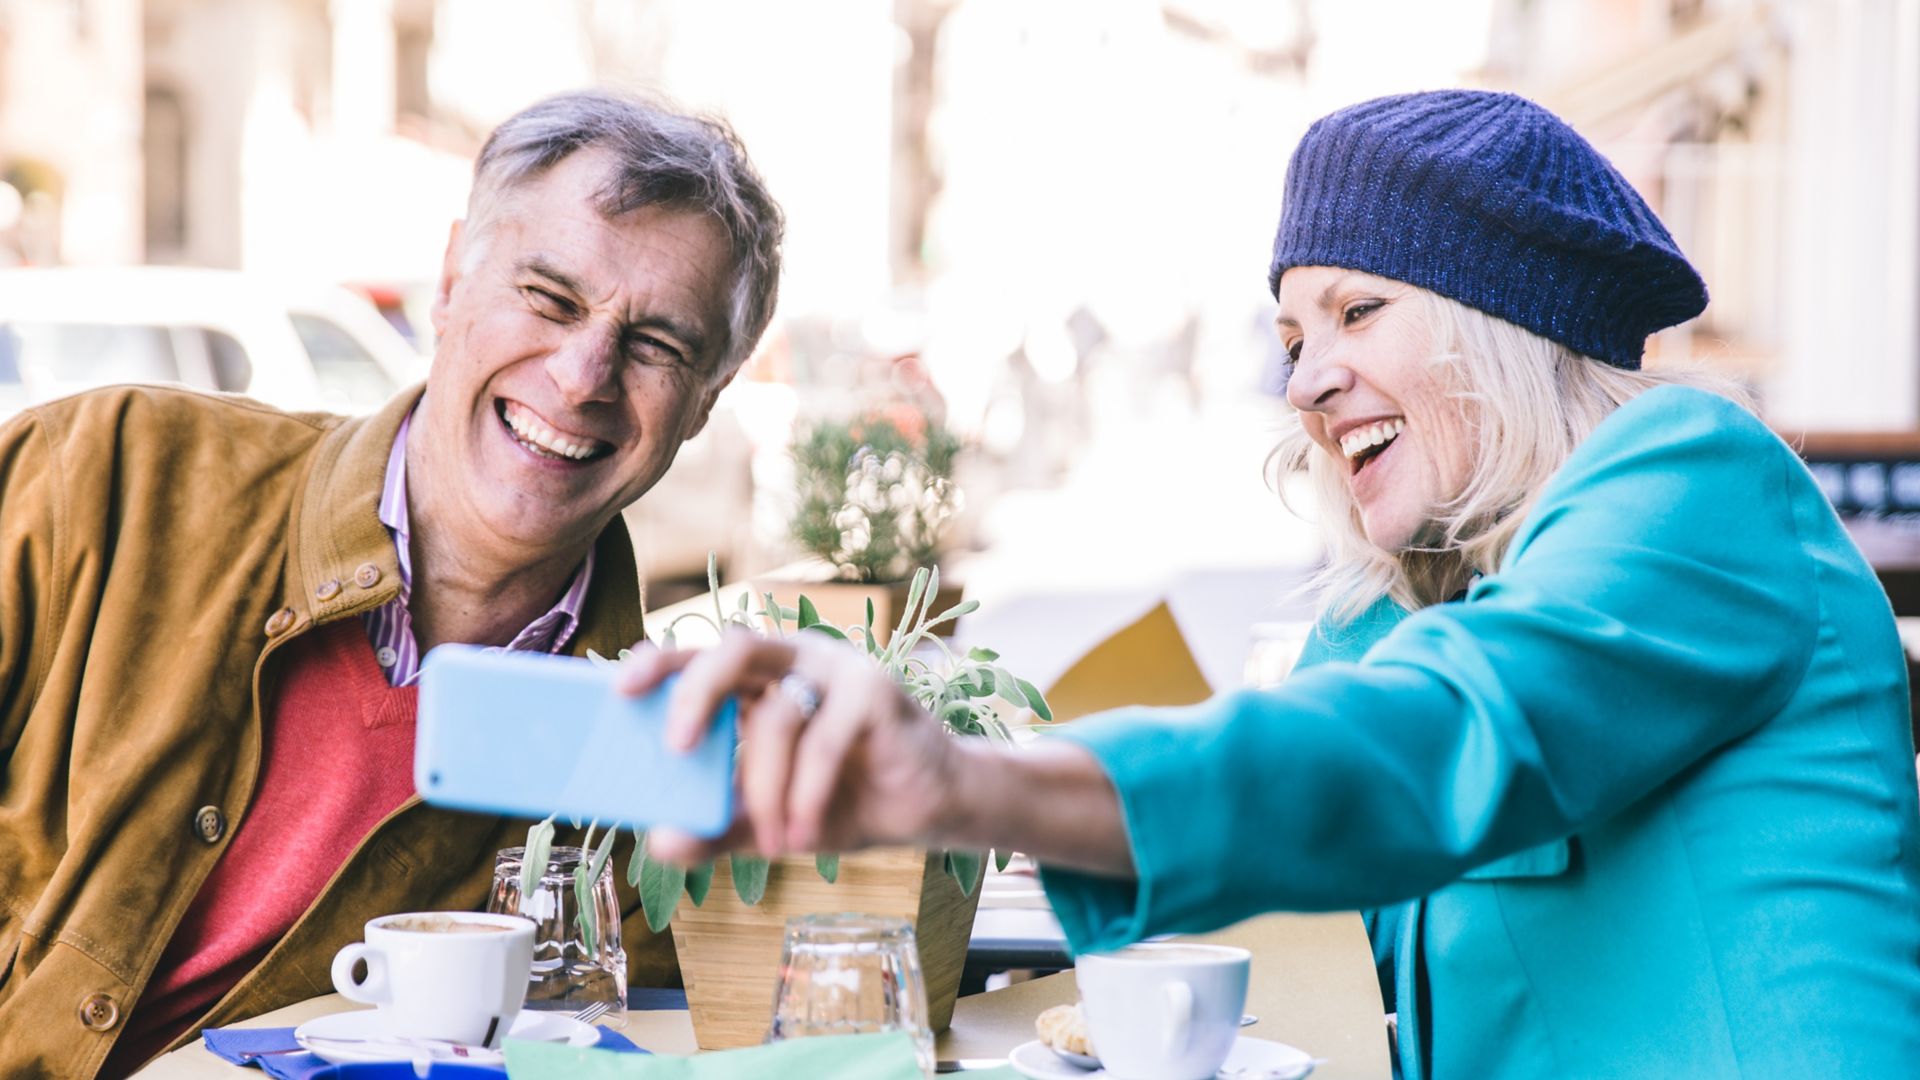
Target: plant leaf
point(1001, 858)
point(964, 607)
point(907, 612)
point(956, 713)
point(829, 867)
point(533, 859)
point(660, 887)
point(639, 859)
point(602, 854)
point(1034, 701)
point(699, 880)
point(583, 913)
point(808, 615)
point(743, 603)
point(827, 629)
point(985, 656)
point(967, 868)
point(749, 877)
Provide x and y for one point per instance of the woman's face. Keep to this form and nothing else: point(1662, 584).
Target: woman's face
point(1371, 396)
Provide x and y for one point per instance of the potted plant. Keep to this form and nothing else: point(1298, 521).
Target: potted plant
point(728, 938)
point(875, 499)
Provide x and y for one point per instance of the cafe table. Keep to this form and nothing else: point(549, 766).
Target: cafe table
point(1312, 986)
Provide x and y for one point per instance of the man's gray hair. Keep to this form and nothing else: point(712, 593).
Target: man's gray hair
point(660, 157)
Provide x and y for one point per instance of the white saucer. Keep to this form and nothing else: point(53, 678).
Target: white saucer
point(1034, 1060)
point(365, 1036)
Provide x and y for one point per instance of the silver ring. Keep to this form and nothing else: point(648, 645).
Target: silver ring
point(802, 692)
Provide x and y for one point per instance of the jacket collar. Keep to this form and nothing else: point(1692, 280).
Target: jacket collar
point(341, 560)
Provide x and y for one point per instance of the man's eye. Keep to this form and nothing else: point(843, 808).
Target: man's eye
point(651, 350)
point(1293, 352)
point(546, 304)
point(1361, 310)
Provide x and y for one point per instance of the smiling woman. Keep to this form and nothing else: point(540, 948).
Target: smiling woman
point(1605, 717)
point(1498, 411)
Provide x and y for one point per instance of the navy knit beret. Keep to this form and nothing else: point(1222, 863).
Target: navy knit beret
point(1495, 202)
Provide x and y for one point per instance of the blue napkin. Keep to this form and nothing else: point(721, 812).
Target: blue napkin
point(656, 999)
point(241, 1045)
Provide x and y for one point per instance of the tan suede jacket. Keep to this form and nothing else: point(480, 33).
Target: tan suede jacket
point(158, 547)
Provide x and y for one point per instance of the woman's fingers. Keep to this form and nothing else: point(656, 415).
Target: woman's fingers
point(670, 845)
point(766, 757)
point(741, 665)
point(854, 702)
point(646, 666)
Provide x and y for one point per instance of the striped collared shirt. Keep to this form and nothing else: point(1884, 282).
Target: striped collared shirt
point(390, 626)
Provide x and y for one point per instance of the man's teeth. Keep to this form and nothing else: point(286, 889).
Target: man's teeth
point(538, 435)
point(1357, 442)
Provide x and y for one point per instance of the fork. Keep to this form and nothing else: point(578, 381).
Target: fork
point(594, 1010)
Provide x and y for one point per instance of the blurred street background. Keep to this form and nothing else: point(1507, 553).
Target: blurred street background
point(1043, 224)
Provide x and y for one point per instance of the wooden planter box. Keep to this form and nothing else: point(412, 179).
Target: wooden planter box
point(730, 952)
point(844, 603)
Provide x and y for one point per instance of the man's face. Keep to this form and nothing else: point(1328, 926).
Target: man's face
point(576, 354)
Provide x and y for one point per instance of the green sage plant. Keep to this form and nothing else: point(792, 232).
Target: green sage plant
point(960, 690)
point(873, 501)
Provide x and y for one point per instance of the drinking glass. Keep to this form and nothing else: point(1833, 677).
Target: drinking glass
point(567, 975)
point(1272, 650)
point(850, 975)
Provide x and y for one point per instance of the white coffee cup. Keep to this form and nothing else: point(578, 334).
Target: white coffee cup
point(1164, 1011)
point(454, 975)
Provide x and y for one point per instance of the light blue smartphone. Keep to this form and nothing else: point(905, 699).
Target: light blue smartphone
point(528, 734)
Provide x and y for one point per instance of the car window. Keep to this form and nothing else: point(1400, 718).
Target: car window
point(231, 369)
point(56, 358)
point(13, 393)
point(350, 378)
point(9, 356)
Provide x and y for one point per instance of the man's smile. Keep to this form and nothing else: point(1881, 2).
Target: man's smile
point(545, 440)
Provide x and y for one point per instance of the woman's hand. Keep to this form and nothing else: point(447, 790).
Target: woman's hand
point(867, 767)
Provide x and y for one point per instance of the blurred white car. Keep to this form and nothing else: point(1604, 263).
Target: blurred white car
point(318, 347)
point(295, 345)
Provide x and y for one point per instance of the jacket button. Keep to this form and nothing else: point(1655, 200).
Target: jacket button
point(328, 589)
point(279, 621)
point(367, 576)
point(99, 1012)
point(210, 824)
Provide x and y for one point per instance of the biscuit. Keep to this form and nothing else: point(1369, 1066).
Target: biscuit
point(1064, 1027)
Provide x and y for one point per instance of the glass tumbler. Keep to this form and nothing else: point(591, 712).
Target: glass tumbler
point(1272, 650)
point(569, 971)
point(851, 975)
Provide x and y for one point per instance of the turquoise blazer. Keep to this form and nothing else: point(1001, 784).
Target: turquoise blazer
point(1642, 803)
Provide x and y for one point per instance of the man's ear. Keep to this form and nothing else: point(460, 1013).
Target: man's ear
point(449, 276)
point(705, 409)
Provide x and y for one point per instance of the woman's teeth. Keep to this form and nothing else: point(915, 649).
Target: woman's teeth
point(538, 436)
point(1361, 440)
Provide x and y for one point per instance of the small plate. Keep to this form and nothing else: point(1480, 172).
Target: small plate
point(364, 1035)
point(1036, 1061)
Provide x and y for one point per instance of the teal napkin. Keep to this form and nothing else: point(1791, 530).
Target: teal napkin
point(826, 1057)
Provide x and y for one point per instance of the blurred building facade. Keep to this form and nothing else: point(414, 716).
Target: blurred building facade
point(1780, 140)
point(1036, 184)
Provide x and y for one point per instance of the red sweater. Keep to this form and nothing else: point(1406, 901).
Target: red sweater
point(338, 752)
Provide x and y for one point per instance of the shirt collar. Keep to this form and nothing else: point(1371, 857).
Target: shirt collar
point(549, 632)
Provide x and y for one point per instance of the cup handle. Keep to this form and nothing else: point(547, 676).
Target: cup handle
point(1180, 1012)
point(373, 990)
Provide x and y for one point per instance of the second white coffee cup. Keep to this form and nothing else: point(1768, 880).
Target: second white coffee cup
point(1164, 1011)
point(460, 976)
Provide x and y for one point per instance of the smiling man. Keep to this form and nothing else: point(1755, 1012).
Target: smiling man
point(212, 613)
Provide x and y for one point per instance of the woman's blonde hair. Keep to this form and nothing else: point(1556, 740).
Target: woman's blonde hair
point(1527, 402)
